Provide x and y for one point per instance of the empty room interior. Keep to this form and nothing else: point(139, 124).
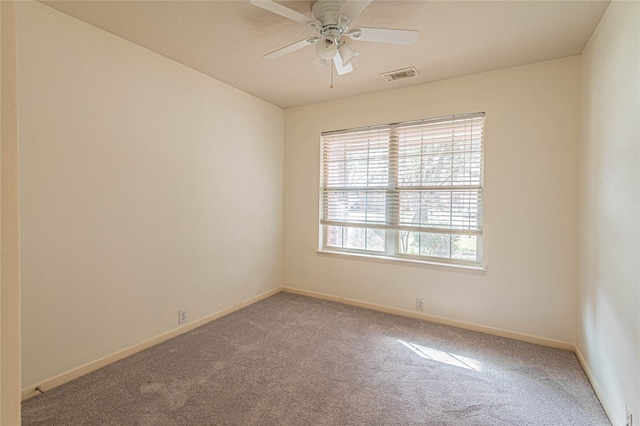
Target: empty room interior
point(431, 179)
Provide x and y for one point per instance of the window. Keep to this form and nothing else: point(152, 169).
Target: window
point(405, 190)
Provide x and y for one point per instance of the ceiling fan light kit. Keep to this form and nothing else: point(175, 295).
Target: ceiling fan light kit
point(347, 53)
point(331, 20)
point(326, 48)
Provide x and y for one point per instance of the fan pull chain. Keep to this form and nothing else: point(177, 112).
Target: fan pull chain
point(331, 67)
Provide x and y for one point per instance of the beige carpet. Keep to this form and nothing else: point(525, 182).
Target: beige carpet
point(294, 360)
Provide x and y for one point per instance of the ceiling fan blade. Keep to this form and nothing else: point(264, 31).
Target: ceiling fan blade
point(383, 35)
point(290, 48)
point(352, 8)
point(341, 69)
point(281, 10)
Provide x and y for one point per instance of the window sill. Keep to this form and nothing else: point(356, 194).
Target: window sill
point(400, 261)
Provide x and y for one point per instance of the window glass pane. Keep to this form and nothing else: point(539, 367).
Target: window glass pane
point(354, 238)
point(334, 236)
point(435, 245)
point(460, 247)
point(375, 239)
point(409, 242)
point(464, 247)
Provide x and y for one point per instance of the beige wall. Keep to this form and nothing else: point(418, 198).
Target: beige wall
point(146, 187)
point(530, 231)
point(609, 273)
point(9, 237)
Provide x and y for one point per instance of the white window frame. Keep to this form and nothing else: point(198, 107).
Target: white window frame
point(391, 226)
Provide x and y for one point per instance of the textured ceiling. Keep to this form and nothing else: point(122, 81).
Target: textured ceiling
point(226, 40)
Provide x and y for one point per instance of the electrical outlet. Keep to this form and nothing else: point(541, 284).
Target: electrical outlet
point(419, 304)
point(628, 417)
point(182, 316)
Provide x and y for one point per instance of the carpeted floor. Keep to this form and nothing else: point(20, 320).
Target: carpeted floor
point(294, 360)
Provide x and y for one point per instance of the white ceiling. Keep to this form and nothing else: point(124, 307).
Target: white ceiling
point(226, 40)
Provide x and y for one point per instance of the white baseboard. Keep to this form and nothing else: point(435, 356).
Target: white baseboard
point(460, 324)
point(110, 359)
point(608, 409)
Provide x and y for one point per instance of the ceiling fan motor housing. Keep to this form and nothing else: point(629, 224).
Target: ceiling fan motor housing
point(331, 27)
point(325, 12)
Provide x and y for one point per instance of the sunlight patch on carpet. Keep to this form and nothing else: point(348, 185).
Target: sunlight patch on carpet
point(444, 357)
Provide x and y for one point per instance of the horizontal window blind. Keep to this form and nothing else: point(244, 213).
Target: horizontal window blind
point(421, 176)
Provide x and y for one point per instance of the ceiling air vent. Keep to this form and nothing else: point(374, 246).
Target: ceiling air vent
point(400, 74)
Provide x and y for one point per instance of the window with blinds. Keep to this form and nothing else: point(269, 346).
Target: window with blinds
point(409, 189)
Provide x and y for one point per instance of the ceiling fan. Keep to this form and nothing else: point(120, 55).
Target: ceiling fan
point(332, 20)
